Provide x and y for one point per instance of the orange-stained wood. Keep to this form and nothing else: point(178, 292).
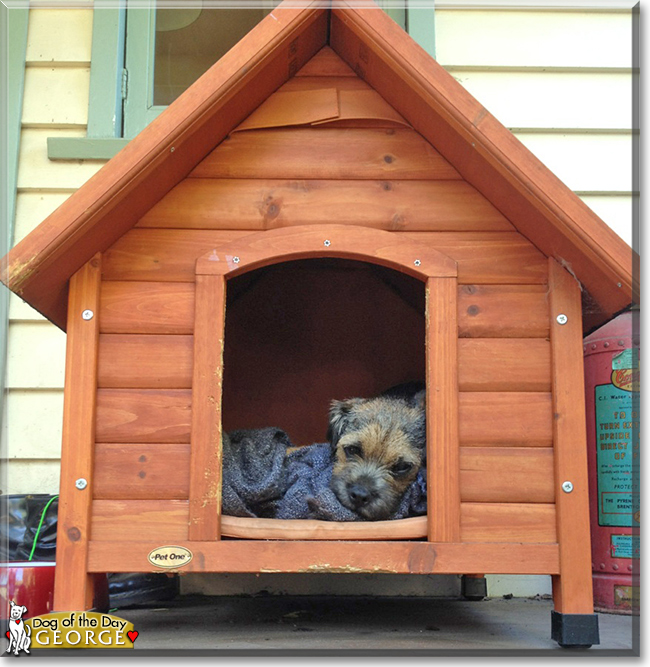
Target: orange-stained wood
point(147, 308)
point(443, 495)
point(484, 311)
point(326, 154)
point(508, 522)
point(161, 471)
point(145, 361)
point(161, 155)
point(507, 475)
point(207, 389)
point(495, 311)
point(572, 590)
point(485, 152)
point(504, 364)
point(335, 557)
point(340, 241)
point(73, 588)
point(267, 204)
point(509, 419)
point(141, 471)
point(165, 362)
point(164, 520)
point(325, 63)
point(170, 254)
point(144, 415)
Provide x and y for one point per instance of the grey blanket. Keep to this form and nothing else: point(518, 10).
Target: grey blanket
point(261, 480)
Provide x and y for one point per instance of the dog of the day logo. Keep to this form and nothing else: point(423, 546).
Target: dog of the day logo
point(69, 629)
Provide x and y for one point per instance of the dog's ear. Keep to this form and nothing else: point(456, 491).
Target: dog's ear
point(420, 399)
point(339, 419)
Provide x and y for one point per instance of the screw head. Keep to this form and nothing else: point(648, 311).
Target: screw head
point(81, 483)
point(87, 315)
point(327, 243)
point(567, 487)
point(562, 318)
point(417, 262)
point(235, 260)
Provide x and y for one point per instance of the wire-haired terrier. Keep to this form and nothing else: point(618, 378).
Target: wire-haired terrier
point(379, 445)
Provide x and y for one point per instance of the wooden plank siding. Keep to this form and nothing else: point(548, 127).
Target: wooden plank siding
point(385, 179)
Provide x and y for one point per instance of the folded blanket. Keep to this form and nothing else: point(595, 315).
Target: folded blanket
point(261, 480)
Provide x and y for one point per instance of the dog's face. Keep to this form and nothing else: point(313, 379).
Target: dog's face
point(379, 446)
point(16, 611)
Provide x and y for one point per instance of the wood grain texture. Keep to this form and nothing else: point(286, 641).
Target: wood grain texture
point(146, 308)
point(169, 254)
point(507, 475)
point(144, 415)
point(146, 169)
point(326, 241)
point(494, 311)
point(484, 311)
point(207, 390)
point(506, 419)
point(145, 361)
point(508, 522)
point(129, 471)
point(325, 63)
point(162, 521)
point(73, 587)
point(443, 495)
point(267, 204)
point(335, 557)
point(326, 154)
point(504, 364)
point(572, 591)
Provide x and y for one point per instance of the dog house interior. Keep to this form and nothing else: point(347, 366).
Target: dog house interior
point(324, 214)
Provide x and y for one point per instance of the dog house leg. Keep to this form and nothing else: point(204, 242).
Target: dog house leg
point(573, 621)
point(474, 587)
point(73, 586)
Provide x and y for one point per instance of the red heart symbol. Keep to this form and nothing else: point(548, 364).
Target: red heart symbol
point(17, 621)
point(132, 635)
point(8, 634)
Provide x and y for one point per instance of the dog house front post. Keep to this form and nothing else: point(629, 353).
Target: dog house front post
point(443, 458)
point(572, 588)
point(73, 586)
point(205, 459)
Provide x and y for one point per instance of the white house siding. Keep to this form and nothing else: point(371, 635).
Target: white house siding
point(55, 104)
point(560, 79)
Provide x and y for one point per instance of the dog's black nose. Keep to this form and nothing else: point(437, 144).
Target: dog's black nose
point(359, 495)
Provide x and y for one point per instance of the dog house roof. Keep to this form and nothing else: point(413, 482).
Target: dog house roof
point(420, 92)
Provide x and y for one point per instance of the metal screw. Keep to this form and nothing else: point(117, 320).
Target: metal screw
point(81, 483)
point(417, 262)
point(619, 285)
point(87, 314)
point(236, 260)
point(562, 318)
point(172, 149)
point(327, 243)
point(567, 487)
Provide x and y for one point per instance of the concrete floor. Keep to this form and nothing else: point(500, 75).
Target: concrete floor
point(295, 625)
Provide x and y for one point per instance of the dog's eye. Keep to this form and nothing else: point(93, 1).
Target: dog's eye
point(352, 450)
point(401, 468)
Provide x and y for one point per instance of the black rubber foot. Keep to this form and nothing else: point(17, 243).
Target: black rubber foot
point(474, 588)
point(574, 630)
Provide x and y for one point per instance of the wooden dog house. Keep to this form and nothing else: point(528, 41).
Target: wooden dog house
point(329, 212)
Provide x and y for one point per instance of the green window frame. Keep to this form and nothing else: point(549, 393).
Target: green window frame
point(121, 73)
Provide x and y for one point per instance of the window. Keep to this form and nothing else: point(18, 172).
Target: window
point(144, 57)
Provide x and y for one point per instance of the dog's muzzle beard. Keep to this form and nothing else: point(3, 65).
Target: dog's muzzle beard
point(365, 490)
